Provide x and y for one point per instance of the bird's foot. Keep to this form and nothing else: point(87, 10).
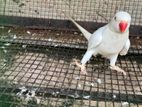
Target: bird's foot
point(81, 66)
point(118, 69)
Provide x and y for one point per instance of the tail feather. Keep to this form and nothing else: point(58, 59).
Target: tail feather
point(86, 34)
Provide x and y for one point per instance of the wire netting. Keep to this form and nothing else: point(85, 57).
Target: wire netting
point(36, 65)
point(43, 63)
point(100, 11)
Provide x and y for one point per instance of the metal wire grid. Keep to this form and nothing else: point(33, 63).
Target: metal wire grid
point(41, 62)
point(91, 10)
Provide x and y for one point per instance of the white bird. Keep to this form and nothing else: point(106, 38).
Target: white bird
point(108, 41)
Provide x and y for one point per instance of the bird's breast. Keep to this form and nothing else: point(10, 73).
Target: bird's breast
point(111, 44)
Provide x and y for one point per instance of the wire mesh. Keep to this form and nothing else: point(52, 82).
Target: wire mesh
point(82, 10)
point(36, 66)
point(37, 70)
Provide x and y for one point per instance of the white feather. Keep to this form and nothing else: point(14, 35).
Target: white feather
point(108, 40)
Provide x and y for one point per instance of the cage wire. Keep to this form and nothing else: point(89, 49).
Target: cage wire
point(38, 45)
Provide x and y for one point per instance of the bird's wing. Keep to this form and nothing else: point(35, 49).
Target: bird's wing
point(96, 38)
point(125, 48)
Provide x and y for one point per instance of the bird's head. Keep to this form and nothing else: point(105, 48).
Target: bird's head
point(120, 22)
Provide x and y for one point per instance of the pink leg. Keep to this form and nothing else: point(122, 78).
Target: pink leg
point(81, 66)
point(118, 69)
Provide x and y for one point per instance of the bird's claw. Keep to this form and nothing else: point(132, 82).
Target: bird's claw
point(118, 69)
point(81, 66)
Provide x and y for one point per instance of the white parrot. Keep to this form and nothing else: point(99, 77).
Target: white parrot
point(108, 41)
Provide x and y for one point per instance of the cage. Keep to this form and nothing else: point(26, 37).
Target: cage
point(38, 44)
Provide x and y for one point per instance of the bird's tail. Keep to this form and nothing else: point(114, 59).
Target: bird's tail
point(86, 34)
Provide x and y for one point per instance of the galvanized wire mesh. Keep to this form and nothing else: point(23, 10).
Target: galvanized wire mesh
point(36, 66)
point(82, 10)
point(41, 65)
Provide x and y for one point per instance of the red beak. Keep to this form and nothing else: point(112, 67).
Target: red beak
point(123, 26)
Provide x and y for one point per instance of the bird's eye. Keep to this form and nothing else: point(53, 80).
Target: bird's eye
point(115, 18)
